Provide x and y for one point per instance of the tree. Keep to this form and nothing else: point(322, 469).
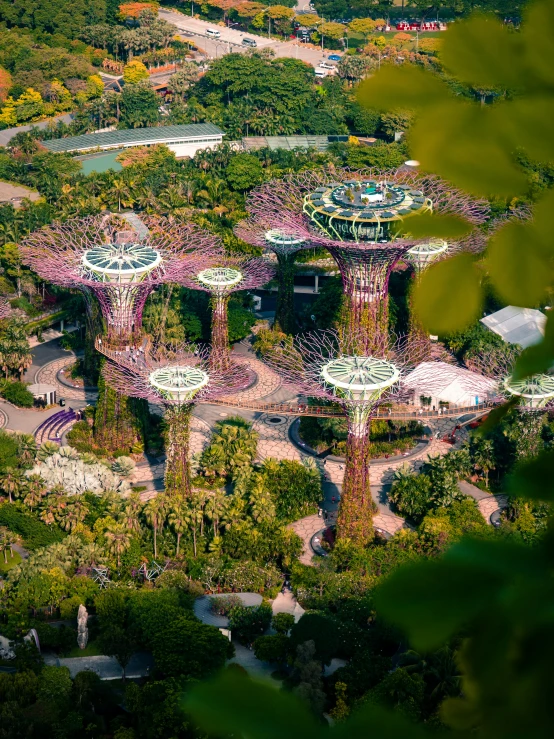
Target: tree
point(283, 622)
point(12, 481)
point(244, 172)
point(363, 26)
point(178, 519)
point(411, 495)
point(272, 648)
point(180, 82)
point(184, 646)
point(134, 71)
point(117, 642)
point(139, 106)
point(321, 631)
point(8, 452)
point(118, 540)
point(248, 622)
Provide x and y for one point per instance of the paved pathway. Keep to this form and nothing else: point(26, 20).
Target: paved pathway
point(48, 374)
point(107, 668)
point(268, 381)
point(202, 607)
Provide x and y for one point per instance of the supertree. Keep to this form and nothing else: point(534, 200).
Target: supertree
point(285, 247)
point(223, 277)
point(5, 308)
point(534, 393)
point(329, 366)
point(176, 377)
point(118, 260)
point(362, 219)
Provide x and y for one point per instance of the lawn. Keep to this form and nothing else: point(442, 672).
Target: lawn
point(91, 650)
point(12, 561)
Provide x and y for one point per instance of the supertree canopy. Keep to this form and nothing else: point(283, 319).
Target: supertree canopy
point(329, 366)
point(533, 393)
point(176, 377)
point(223, 277)
point(362, 219)
point(118, 259)
point(285, 247)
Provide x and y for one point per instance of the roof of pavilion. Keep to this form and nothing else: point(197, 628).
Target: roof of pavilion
point(522, 326)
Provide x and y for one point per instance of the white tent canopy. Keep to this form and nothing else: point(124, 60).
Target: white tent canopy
point(522, 326)
point(450, 384)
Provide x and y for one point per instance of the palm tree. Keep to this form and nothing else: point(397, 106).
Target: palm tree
point(74, 514)
point(482, 455)
point(155, 515)
point(27, 447)
point(36, 490)
point(215, 507)
point(119, 540)
point(13, 482)
point(178, 518)
point(131, 511)
point(48, 513)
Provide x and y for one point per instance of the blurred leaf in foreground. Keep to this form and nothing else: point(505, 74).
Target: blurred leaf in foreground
point(448, 296)
point(535, 478)
point(438, 225)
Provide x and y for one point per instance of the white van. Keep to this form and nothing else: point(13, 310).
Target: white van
point(321, 72)
point(212, 33)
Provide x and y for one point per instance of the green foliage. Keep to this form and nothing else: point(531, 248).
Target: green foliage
point(283, 622)
point(294, 488)
point(244, 172)
point(272, 648)
point(17, 393)
point(139, 106)
point(8, 451)
point(319, 629)
point(248, 622)
point(35, 534)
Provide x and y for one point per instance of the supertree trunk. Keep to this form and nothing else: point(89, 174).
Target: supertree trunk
point(356, 505)
point(119, 421)
point(177, 469)
point(221, 354)
point(284, 311)
point(367, 321)
point(415, 327)
point(93, 327)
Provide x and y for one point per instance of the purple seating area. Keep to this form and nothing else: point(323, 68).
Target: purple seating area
point(50, 429)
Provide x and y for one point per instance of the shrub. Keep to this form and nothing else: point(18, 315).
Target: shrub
point(35, 534)
point(80, 437)
point(17, 393)
point(246, 623)
point(283, 622)
point(272, 648)
point(222, 606)
point(295, 489)
point(123, 466)
point(8, 451)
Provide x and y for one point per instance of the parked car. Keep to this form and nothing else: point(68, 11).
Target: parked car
point(334, 58)
point(325, 65)
point(249, 42)
point(213, 33)
point(319, 72)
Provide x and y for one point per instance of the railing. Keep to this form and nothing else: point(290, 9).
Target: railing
point(120, 351)
point(293, 409)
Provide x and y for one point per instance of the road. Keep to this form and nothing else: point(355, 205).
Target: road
point(231, 40)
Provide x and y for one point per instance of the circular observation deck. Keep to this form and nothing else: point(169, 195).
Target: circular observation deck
point(536, 391)
point(421, 255)
point(280, 241)
point(180, 383)
point(120, 263)
point(363, 210)
point(220, 279)
point(359, 378)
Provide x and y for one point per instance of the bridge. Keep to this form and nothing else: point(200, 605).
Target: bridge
point(138, 356)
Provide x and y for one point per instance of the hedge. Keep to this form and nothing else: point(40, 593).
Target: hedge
point(35, 533)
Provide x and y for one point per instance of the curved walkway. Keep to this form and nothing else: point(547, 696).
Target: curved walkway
point(203, 605)
point(49, 375)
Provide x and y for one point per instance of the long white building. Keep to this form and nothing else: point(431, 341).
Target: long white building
point(184, 140)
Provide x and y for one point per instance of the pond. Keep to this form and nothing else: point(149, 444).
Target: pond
point(101, 162)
